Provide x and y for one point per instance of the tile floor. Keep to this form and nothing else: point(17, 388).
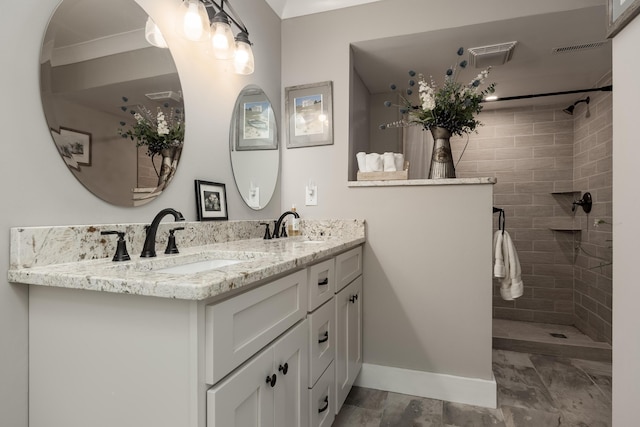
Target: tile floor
point(533, 390)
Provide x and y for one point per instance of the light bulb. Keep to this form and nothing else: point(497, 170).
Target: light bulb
point(221, 37)
point(195, 21)
point(243, 61)
point(153, 35)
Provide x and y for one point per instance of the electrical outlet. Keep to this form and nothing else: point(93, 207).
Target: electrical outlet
point(311, 195)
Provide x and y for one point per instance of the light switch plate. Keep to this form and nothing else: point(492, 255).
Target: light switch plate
point(254, 198)
point(311, 195)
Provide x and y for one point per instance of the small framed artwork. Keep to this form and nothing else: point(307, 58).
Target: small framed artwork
point(65, 150)
point(619, 14)
point(309, 110)
point(211, 201)
point(78, 144)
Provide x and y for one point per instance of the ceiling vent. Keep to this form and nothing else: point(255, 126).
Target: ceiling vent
point(165, 95)
point(496, 54)
point(577, 47)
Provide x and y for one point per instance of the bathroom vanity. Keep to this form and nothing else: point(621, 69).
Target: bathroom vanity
point(243, 332)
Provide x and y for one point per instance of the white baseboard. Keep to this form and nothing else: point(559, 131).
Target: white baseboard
point(470, 391)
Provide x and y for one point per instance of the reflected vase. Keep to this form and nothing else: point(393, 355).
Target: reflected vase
point(442, 165)
point(168, 165)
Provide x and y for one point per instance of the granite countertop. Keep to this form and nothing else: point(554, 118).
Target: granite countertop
point(259, 260)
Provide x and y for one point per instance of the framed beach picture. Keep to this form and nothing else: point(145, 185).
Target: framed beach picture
point(619, 14)
point(211, 201)
point(309, 111)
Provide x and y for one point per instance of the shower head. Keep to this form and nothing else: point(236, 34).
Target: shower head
point(570, 108)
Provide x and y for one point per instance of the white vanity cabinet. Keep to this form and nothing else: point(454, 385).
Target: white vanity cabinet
point(348, 309)
point(268, 391)
point(282, 354)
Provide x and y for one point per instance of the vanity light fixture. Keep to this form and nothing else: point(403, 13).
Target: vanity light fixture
point(196, 25)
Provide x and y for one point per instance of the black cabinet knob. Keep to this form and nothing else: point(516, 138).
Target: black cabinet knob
point(284, 369)
point(271, 380)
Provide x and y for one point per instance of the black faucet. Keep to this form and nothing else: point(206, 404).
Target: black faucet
point(276, 231)
point(149, 249)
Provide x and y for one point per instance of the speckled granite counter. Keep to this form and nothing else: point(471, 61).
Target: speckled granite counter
point(79, 257)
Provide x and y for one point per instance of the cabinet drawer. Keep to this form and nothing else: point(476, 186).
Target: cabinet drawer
point(348, 267)
point(322, 400)
point(244, 324)
point(322, 340)
point(322, 283)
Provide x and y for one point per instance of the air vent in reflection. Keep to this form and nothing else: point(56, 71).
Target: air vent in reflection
point(577, 47)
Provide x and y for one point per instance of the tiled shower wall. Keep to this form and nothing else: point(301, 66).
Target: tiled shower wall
point(530, 150)
point(592, 164)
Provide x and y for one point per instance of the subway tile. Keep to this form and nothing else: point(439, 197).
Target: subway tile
point(535, 304)
point(514, 130)
point(605, 134)
point(496, 165)
point(513, 314)
point(563, 163)
point(554, 294)
point(553, 151)
point(514, 153)
point(588, 303)
point(534, 116)
point(605, 313)
point(534, 187)
point(552, 317)
point(534, 140)
point(565, 126)
point(552, 175)
point(514, 176)
point(534, 164)
point(533, 211)
point(563, 307)
point(512, 199)
point(566, 185)
point(563, 139)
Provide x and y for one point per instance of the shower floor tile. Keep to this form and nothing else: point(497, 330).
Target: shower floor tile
point(530, 337)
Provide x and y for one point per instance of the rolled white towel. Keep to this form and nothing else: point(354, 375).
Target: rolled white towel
point(389, 162)
point(399, 160)
point(362, 161)
point(374, 162)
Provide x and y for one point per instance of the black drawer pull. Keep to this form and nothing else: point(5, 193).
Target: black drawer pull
point(353, 298)
point(324, 338)
point(284, 369)
point(326, 405)
point(323, 282)
point(271, 380)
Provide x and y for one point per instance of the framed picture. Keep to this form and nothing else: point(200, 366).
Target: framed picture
point(619, 14)
point(256, 125)
point(211, 201)
point(78, 144)
point(64, 150)
point(309, 110)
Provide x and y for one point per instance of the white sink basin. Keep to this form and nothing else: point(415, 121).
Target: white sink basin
point(198, 267)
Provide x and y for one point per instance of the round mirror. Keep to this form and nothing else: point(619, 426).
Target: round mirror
point(112, 99)
point(253, 138)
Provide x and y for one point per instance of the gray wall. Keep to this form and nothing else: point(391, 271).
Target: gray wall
point(37, 188)
point(404, 220)
point(626, 228)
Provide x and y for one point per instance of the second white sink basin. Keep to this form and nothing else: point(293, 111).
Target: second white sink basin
point(198, 267)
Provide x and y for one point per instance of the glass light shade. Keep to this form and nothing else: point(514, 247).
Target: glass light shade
point(193, 21)
point(243, 58)
point(222, 39)
point(153, 35)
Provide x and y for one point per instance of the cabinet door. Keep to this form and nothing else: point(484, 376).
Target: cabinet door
point(291, 360)
point(244, 399)
point(348, 359)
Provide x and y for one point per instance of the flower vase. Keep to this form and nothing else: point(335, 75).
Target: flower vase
point(441, 160)
point(167, 166)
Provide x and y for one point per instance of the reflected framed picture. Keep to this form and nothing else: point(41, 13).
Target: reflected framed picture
point(619, 14)
point(211, 201)
point(78, 144)
point(256, 126)
point(309, 111)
